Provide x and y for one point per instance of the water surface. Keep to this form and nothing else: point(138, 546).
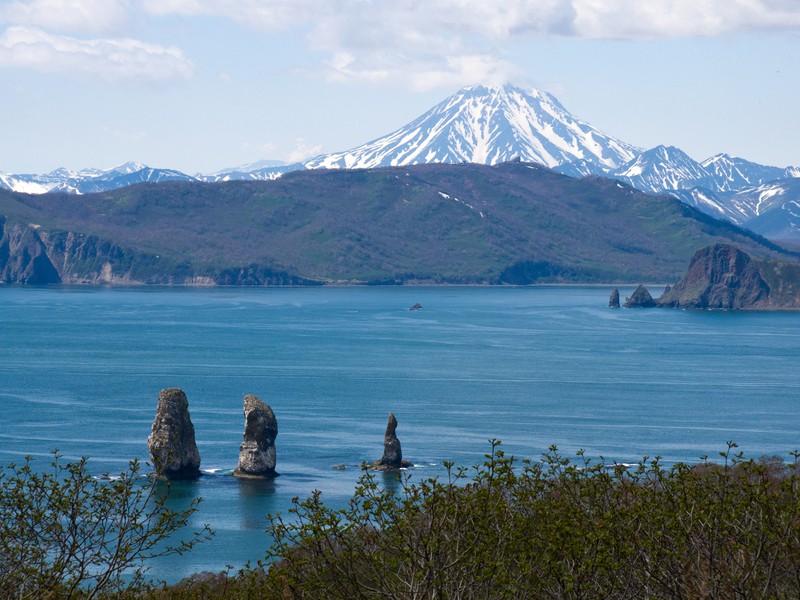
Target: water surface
point(80, 370)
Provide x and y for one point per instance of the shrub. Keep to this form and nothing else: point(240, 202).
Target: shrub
point(555, 528)
point(65, 534)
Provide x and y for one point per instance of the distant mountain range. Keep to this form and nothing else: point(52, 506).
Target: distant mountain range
point(495, 124)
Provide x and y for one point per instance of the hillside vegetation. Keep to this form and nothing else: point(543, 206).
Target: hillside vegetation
point(556, 527)
point(512, 223)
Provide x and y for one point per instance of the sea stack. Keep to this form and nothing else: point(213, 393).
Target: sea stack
point(392, 453)
point(171, 444)
point(257, 452)
point(640, 298)
point(613, 301)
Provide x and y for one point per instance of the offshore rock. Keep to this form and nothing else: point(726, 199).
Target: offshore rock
point(171, 444)
point(719, 276)
point(392, 453)
point(640, 298)
point(257, 452)
point(613, 301)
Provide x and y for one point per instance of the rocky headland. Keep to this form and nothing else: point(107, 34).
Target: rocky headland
point(724, 277)
point(172, 447)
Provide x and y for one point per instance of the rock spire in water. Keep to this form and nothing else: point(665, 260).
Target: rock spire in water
point(171, 443)
point(257, 452)
point(392, 453)
point(613, 301)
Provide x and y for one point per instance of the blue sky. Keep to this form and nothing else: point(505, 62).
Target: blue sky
point(200, 85)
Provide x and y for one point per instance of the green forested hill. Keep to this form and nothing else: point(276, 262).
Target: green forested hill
point(511, 223)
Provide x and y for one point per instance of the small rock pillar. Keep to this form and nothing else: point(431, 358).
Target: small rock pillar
point(257, 456)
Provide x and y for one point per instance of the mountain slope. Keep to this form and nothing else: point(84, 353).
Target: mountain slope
point(488, 125)
point(663, 168)
point(776, 208)
point(511, 223)
point(732, 173)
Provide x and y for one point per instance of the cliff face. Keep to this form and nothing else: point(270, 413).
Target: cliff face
point(29, 254)
point(23, 256)
point(719, 276)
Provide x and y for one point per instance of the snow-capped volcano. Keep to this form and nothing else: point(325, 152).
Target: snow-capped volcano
point(486, 124)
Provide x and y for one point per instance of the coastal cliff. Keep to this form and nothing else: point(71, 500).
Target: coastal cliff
point(31, 255)
point(719, 276)
point(722, 276)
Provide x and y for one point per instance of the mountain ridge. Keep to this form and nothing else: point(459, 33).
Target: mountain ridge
point(512, 223)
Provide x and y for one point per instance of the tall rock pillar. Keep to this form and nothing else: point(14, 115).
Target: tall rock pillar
point(392, 453)
point(171, 444)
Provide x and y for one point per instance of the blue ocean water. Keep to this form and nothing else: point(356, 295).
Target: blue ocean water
point(80, 370)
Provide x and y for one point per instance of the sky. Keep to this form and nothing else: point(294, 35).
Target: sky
point(203, 85)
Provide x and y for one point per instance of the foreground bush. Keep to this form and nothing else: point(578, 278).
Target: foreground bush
point(550, 529)
point(64, 534)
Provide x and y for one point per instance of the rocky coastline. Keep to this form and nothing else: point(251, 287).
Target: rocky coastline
point(724, 277)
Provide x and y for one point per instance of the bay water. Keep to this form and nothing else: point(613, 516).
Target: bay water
point(81, 368)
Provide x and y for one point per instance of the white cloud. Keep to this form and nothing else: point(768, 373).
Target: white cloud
point(419, 73)
point(110, 59)
point(302, 151)
point(68, 16)
point(260, 149)
point(658, 19)
point(430, 43)
point(381, 22)
point(267, 15)
point(134, 137)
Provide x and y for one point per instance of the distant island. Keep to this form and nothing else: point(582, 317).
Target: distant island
point(514, 223)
